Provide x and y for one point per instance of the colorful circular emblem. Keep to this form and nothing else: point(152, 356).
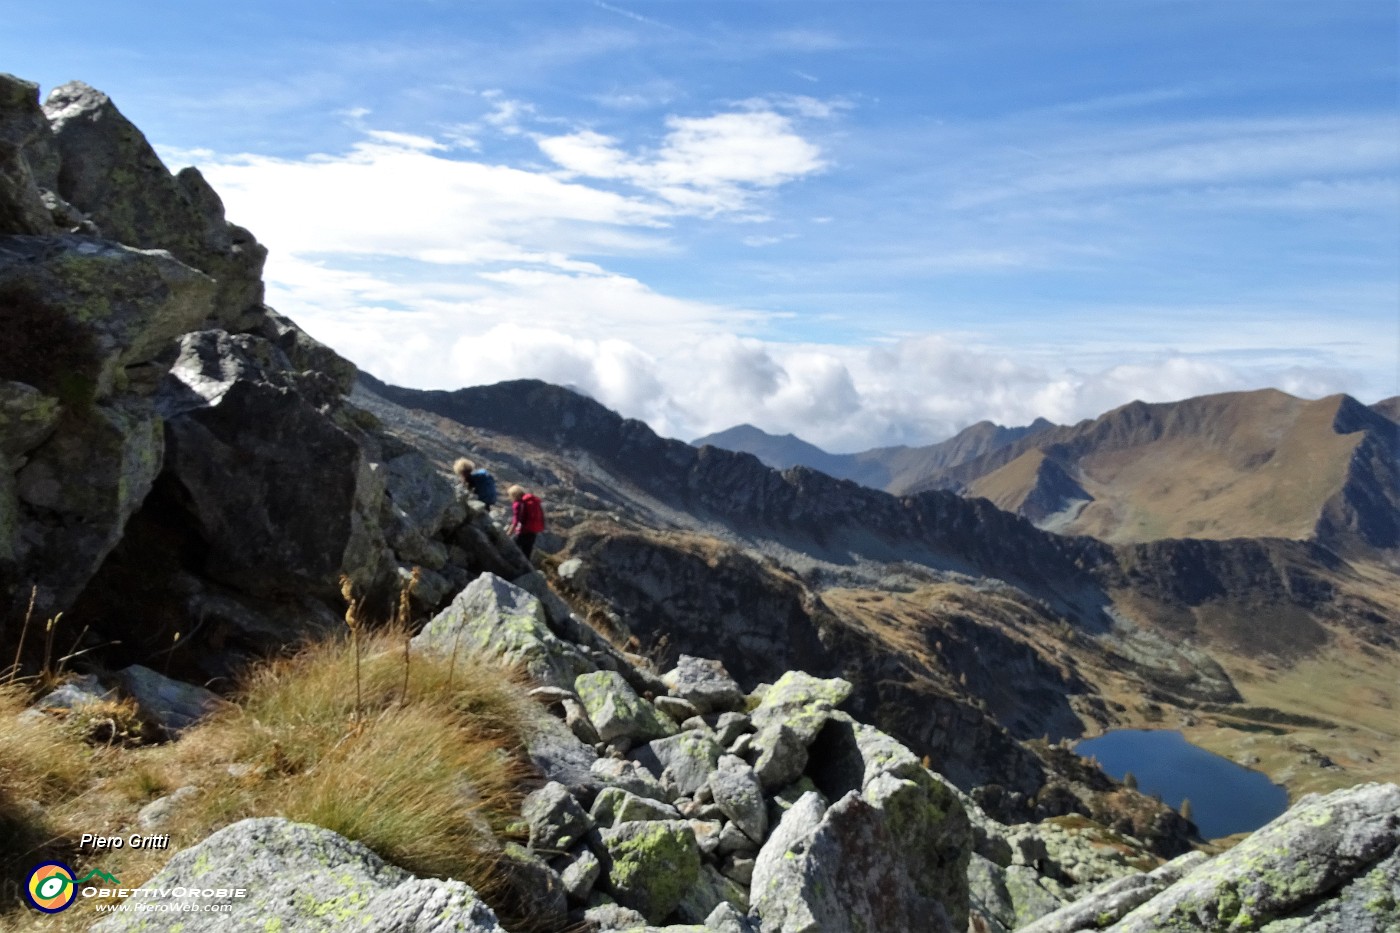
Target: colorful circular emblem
point(50, 887)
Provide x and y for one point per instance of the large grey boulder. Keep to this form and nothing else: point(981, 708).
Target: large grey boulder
point(558, 755)
point(615, 805)
point(704, 683)
point(617, 712)
point(27, 419)
point(780, 755)
point(924, 815)
point(285, 498)
point(801, 702)
point(294, 876)
point(687, 759)
point(112, 307)
point(739, 795)
point(495, 617)
point(629, 776)
point(556, 820)
point(1328, 864)
point(107, 169)
point(1106, 904)
point(837, 870)
point(650, 866)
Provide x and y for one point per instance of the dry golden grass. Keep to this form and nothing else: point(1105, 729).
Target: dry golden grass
point(425, 768)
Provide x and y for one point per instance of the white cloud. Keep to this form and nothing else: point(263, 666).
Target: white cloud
point(405, 140)
point(705, 165)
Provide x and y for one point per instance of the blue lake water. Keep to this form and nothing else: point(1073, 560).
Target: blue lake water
point(1226, 798)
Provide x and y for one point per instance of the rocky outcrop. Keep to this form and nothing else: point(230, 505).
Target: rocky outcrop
point(107, 169)
point(1330, 864)
point(178, 463)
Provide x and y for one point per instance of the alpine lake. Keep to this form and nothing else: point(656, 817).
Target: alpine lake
point(1226, 798)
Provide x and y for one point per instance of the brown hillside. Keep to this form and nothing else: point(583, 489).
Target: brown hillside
point(1245, 464)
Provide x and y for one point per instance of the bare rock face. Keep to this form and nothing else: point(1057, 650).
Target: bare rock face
point(284, 497)
point(85, 318)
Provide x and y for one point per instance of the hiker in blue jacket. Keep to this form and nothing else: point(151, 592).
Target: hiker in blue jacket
point(481, 483)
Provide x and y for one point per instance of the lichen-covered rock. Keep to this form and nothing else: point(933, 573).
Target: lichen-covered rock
point(1027, 902)
point(682, 711)
point(502, 620)
point(739, 795)
point(580, 874)
point(617, 712)
point(531, 888)
point(174, 704)
point(606, 916)
point(304, 351)
point(77, 493)
point(22, 208)
point(559, 756)
point(285, 498)
point(1367, 904)
point(556, 820)
point(120, 307)
point(687, 759)
point(704, 683)
point(929, 827)
point(710, 890)
point(650, 866)
point(629, 776)
point(615, 805)
point(300, 877)
point(1290, 870)
point(781, 755)
point(801, 702)
point(27, 418)
point(729, 726)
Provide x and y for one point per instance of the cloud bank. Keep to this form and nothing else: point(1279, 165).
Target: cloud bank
point(431, 266)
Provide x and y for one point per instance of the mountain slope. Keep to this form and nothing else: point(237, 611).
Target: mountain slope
point(1244, 464)
point(693, 543)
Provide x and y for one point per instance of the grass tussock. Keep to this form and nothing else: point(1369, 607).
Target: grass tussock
point(417, 756)
point(422, 767)
point(41, 764)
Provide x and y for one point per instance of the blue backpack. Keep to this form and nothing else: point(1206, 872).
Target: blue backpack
point(484, 485)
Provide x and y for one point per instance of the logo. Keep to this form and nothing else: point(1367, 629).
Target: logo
point(51, 886)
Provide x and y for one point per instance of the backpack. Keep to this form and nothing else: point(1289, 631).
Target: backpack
point(483, 484)
point(531, 513)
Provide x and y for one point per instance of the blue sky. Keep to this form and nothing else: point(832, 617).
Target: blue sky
point(866, 223)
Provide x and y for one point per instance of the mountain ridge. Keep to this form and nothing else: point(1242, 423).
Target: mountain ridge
point(1238, 464)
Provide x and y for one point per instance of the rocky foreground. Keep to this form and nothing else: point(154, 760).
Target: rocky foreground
point(705, 809)
point(183, 478)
